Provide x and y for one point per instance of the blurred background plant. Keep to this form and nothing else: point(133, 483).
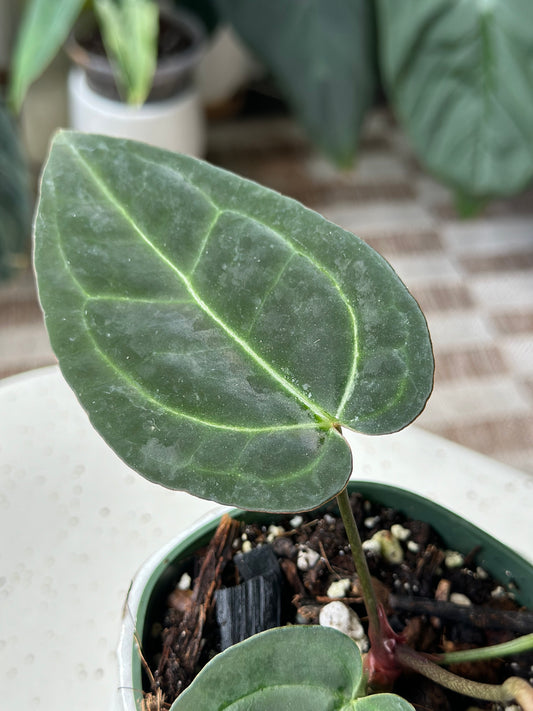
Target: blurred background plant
point(15, 202)
point(458, 76)
point(129, 33)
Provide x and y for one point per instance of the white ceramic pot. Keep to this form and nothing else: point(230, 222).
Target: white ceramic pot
point(77, 522)
point(176, 124)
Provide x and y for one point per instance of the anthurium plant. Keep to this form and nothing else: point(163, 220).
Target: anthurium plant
point(221, 337)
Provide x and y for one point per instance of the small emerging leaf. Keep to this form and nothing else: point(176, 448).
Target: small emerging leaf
point(216, 332)
point(298, 668)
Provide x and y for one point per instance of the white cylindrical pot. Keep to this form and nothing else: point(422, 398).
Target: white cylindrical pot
point(176, 124)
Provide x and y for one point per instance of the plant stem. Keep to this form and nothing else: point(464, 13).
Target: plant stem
point(423, 665)
point(515, 646)
point(521, 691)
point(358, 555)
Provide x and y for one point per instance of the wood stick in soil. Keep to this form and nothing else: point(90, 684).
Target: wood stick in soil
point(182, 645)
point(476, 615)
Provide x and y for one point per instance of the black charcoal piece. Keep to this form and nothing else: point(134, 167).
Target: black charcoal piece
point(255, 604)
point(248, 608)
point(259, 561)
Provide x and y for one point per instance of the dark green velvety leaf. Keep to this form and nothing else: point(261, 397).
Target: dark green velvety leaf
point(460, 76)
point(322, 55)
point(216, 332)
point(298, 668)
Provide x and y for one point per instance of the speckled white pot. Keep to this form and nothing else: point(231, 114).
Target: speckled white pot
point(75, 522)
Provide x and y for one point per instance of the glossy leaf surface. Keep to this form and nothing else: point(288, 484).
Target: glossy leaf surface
point(216, 332)
point(322, 55)
point(44, 28)
point(301, 668)
point(460, 76)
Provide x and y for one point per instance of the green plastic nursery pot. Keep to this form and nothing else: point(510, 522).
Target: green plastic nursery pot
point(160, 573)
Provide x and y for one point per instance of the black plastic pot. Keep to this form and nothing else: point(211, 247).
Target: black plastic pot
point(181, 38)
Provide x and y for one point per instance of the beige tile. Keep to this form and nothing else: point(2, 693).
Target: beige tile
point(495, 292)
point(432, 194)
point(518, 458)
point(382, 215)
point(498, 235)
point(494, 436)
point(518, 352)
point(518, 260)
point(24, 347)
point(473, 362)
point(424, 269)
point(406, 243)
point(513, 322)
point(466, 402)
point(443, 296)
point(458, 328)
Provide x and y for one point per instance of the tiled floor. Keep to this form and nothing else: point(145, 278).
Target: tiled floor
point(473, 279)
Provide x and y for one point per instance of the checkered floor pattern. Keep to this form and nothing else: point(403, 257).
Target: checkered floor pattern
point(473, 278)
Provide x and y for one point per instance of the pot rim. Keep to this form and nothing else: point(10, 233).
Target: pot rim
point(182, 63)
point(137, 593)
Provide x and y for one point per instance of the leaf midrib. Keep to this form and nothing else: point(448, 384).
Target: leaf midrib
point(321, 414)
point(218, 212)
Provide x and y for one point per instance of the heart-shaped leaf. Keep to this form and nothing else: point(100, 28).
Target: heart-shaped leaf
point(216, 332)
point(461, 79)
point(322, 55)
point(298, 668)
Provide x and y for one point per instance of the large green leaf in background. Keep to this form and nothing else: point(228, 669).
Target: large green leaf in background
point(460, 76)
point(44, 28)
point(216, 332)
point(322, 55)
point(15, 209)
point(298, 668)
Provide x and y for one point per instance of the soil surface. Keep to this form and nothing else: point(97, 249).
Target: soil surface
point(170, 41)
point(440, 600)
